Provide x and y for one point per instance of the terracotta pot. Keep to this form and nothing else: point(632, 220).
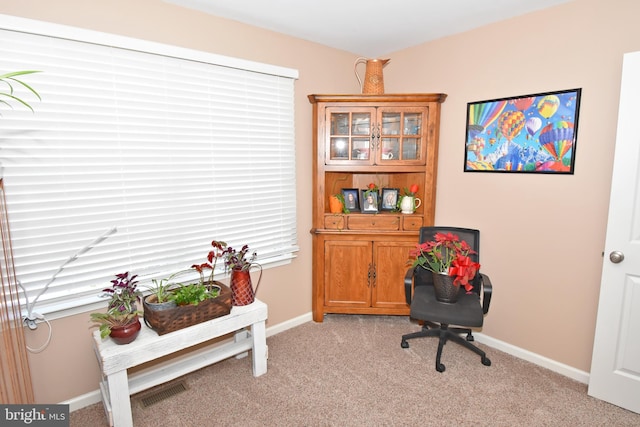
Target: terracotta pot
point(126, 334)
point(242, 292)
point(335, 205)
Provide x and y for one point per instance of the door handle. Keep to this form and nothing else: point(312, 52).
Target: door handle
point(374, 275)
point(616, 257)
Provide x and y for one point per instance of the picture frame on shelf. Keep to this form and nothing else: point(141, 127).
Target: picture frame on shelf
point(534, 133)
point(389, 199)
point(351, 200)
point(369, 201)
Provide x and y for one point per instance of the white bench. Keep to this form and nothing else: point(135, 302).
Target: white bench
point(116, 386)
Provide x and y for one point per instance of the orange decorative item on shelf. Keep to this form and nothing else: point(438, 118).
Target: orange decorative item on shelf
point(335, 204)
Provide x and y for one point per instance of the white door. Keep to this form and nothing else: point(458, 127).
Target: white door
point(615, 367)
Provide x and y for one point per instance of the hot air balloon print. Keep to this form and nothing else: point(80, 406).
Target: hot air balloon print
point(548, 105)
point(532, 125)
point(533, 133)
point(522, 104)
point(557, 138)
point(482, 115)
point(510, 124)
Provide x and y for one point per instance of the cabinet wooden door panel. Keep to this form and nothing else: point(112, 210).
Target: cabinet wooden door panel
point(390, 268)
point(347, 267)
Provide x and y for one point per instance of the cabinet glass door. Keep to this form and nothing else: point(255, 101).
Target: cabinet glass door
point(402, 137)
point(349, 136)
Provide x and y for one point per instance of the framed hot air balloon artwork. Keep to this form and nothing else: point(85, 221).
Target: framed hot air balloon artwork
point(523, 134)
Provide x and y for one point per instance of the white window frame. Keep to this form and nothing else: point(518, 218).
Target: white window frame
point(252, 157)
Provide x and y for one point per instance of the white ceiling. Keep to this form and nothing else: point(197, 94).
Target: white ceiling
point(370, 28)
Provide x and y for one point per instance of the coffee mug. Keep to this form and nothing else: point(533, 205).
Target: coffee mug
point(387, 156)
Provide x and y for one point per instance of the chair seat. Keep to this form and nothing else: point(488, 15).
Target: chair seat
point(467, 311)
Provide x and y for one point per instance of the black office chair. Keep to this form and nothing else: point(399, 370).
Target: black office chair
point(468, 312)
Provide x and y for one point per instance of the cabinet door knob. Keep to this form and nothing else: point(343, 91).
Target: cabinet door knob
point(374, 275)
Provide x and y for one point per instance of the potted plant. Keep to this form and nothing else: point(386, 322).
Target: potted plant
point(161, 291)
point(165, 291)
point(160, 296)
point(447, 257)
point(239, 262)
point(336, 200)
point(121, 320)
point(336, 204)
point(194, 293)
point(189, 303)
point(408, 202)
point(9, 78)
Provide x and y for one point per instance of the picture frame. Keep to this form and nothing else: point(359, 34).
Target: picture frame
point(351, 200)
point(369, 201)
point(389, 199)
point(534, 133)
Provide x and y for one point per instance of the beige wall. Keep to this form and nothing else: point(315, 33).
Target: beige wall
point(542, 236)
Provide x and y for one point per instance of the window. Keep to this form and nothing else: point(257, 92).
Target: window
point(173, 147)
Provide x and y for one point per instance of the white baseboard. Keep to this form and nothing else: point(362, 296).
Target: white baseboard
point(291, 323)
point(90, 398)
point(536, 359)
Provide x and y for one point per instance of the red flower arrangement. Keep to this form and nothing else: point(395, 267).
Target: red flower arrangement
point(449, 255)
point(411, 192)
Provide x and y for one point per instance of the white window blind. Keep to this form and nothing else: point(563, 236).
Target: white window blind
point(173, 147)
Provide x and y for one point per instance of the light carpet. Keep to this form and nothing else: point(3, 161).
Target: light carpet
point(351, 371)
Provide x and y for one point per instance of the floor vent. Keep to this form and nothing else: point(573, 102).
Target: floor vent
point(159, 395)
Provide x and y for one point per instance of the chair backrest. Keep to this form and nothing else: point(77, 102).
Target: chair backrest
point(469, 235)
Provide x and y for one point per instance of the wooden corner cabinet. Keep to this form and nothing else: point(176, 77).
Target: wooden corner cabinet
point(391, 140)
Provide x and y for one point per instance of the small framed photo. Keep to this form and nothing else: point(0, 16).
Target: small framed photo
point(389, 199)
point(369, 202)
point(351, 202)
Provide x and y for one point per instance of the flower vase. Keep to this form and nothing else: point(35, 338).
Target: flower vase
point(242, 292)
point(335, 205)
point(127, 333)
point(409, 204)
point(445, 289)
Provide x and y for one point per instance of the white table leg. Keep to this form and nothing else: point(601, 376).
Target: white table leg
point(241, 336)
point(119, 396)
point(259, 348)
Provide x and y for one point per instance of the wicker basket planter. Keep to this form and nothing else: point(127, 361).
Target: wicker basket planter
point(168, 318)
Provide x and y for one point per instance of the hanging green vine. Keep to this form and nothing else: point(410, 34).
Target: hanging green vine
point(8, 81)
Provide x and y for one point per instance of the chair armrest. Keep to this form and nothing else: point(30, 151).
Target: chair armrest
point(487, 289)
point(408, 285)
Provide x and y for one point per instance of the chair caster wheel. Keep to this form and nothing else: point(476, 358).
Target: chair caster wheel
point(440, 367)
point(404, 344)
point(486, 361)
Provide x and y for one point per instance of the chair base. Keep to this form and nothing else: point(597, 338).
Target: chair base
point(444, 334)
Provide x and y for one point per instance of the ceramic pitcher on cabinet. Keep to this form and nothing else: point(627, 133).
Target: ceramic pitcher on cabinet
point(373, 83)
point(409, 204)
